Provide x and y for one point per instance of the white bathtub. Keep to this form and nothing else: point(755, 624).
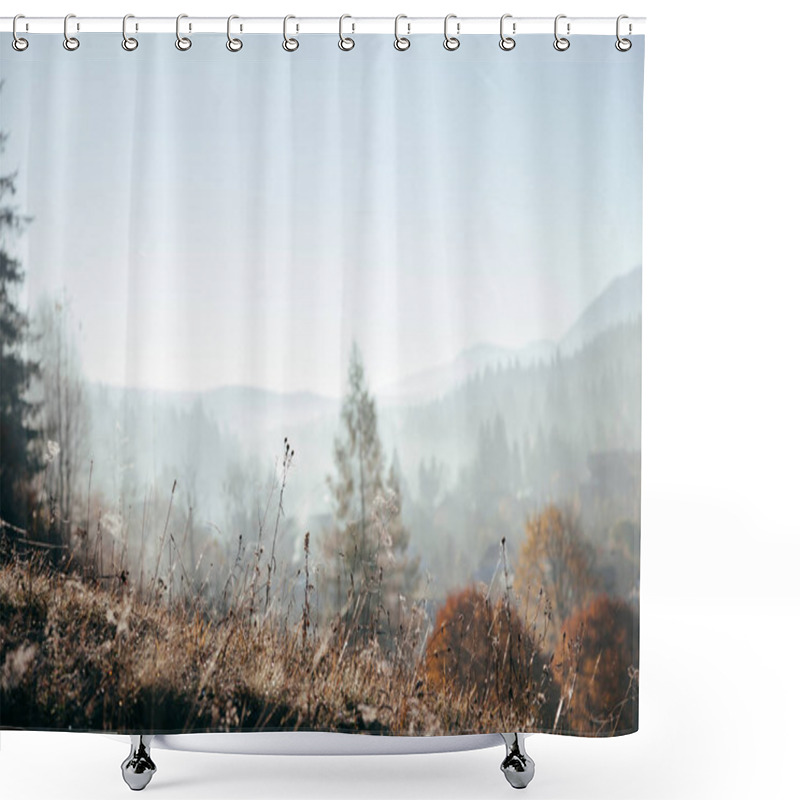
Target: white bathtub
point(139, 767)
point(292, 743)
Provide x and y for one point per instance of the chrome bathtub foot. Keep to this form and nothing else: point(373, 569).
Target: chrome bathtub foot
point(138, 768)
point(517, 766)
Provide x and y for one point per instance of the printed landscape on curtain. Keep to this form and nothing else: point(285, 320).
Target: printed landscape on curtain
point(320, 386)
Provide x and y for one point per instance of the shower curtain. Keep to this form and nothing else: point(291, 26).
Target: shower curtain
point(321, 385)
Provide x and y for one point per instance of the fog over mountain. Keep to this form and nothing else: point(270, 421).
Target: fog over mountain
point(524, 423)
point(620, 302)
point(436, 381)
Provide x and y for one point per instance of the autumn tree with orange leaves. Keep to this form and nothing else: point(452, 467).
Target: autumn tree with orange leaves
point(557, 559)
point(481, 650)
point(599, 670)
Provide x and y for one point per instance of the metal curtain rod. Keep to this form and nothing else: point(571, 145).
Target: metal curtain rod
point(464, 25)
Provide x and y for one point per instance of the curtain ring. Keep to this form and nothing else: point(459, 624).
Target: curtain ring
point(128, 42)
point(70, 42)
point(561, 43)
point(401, 42)
point(181, 42)
point(234, 45)
point(345, 42)
point(289, 45)
point(623, 45)
point(451, 42)
point(506, 42)
point(18, 43)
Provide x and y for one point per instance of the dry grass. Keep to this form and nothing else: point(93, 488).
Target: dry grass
point(86, 645)
point(75, 655)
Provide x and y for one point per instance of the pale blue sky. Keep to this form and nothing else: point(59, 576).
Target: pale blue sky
point(225, 218)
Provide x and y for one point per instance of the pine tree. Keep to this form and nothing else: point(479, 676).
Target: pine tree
point(369, 570)
point(358, 457)
point(18, 461)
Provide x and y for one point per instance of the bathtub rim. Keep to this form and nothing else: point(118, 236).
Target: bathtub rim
point(321, 743)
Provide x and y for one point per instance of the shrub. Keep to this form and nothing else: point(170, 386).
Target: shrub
point(600, 669)
point(482, 652)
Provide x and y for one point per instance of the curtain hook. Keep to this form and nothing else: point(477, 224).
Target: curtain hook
point(181, 42)
point(345, 43)
point(128, 42)
point(506, 42)
point(289, 45)
point(561, 43)
point(451, 42)
point(70, 42)
point(18, 43)
point(234, 45)
point(623, 45)
point(401, 42)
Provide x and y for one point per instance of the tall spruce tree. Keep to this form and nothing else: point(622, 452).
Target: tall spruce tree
point(370, 573)
point(18, 461)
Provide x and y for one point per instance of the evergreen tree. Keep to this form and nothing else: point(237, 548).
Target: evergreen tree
point(369, 567)
point(358, 458)
point(18, 461)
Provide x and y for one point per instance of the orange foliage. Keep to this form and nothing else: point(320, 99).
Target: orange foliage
point(555, 557)
point(483, 651)
point(600, 669)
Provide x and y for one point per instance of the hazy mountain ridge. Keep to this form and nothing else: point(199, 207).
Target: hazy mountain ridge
point(620, 301)
point(554, 411)
point(582, 403)
point(436, 381)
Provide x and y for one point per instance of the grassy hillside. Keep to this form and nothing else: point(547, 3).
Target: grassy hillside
point(75, 655)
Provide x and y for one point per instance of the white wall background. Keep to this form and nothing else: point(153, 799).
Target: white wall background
point(720, 701)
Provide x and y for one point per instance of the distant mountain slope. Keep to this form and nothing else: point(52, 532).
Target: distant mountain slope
point(621, 301)
point(247, 402)
point(243, 408)
point(228, 405)
point(587, 401)
point(552, 414)
point(436, 381)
